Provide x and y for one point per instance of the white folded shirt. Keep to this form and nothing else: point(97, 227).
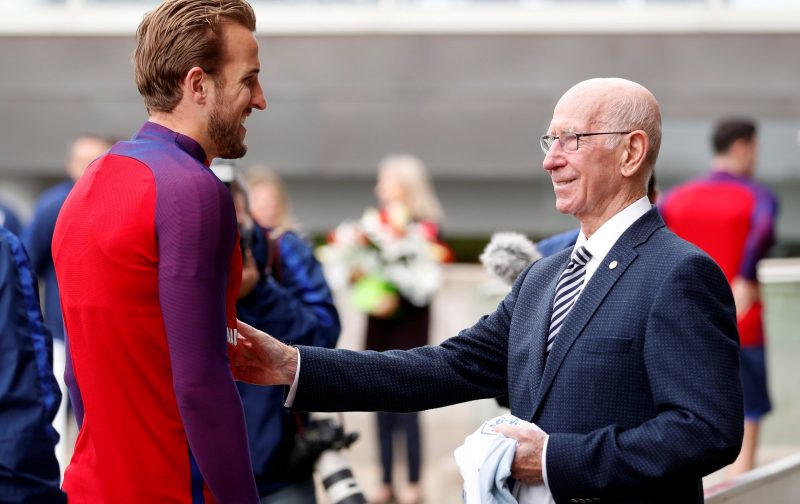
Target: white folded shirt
point(484, 461)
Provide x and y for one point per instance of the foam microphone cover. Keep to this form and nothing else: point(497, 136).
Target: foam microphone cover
point(508, 254)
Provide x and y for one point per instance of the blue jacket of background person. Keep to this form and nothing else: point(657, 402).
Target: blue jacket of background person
point(9, 220)
point(298, 310)
point(37, 237)
point(29, 395)
point(556, 243)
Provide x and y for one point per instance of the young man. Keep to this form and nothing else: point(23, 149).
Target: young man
point(622, 349)
point(732, 218)
point(147, 258)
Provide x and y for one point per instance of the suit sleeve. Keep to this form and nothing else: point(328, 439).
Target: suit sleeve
point(469, 366)
point(691, 357)
point(196, 234)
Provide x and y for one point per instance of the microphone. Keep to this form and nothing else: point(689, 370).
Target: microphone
point(507, 254)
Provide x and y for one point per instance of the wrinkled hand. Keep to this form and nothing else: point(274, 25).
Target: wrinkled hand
point(527, 465)
point(250, 274)
point(260, 359)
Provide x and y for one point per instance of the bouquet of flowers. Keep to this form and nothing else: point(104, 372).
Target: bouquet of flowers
point(383, 255)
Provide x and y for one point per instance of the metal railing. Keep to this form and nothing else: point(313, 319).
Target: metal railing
point(778, 483)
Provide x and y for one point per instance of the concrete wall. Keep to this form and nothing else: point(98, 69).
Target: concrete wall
point(471, 106)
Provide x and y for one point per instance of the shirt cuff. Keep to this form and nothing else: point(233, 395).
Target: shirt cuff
point(293, 388)
point(544, 463)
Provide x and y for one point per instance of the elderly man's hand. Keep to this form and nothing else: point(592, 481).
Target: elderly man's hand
point(527, 465)
point(260, 359)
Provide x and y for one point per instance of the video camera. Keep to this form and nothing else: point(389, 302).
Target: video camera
point(320, 445)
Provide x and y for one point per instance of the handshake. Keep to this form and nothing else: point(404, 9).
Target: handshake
point(260, 359)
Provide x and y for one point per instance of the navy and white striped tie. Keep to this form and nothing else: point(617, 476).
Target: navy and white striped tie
point(569, 287)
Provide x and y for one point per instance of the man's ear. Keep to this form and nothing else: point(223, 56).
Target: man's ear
point(195, 85)
point(633, 153)
point(740, 146)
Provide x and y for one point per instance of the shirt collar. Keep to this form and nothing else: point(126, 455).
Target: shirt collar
point(151, 130)
point(724, 175)
point(607, 235)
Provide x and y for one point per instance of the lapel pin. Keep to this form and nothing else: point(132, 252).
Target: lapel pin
point(613, 265)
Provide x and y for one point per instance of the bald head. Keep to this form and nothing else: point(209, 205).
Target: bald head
point(620, 105)
point(609, 132)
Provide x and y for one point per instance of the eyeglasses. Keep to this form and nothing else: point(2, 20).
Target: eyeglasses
point(570, 141)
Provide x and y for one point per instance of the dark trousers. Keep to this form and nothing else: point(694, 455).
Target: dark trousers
point(388, 423)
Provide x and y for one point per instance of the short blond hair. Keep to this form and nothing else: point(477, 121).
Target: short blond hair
point(177, 36)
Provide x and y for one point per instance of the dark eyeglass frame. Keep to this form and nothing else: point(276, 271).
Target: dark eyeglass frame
point(547, 141)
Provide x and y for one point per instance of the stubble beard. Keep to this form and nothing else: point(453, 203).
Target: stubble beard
point(223, 129)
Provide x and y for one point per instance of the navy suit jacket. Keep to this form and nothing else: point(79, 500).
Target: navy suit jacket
point(640, 395)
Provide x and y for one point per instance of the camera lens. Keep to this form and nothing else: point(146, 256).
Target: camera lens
point(338, 480)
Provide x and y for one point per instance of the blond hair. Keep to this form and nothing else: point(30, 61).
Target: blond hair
point(177, 36)
point(410, 171)
point(263, 175)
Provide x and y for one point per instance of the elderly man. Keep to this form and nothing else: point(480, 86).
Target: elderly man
point(147, 256)
point(622, 349)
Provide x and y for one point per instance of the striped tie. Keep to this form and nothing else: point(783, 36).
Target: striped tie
point(567, 291)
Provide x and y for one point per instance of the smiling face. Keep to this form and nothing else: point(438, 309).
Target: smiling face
point(586, 181)
point(236, 92)
point(602, 176)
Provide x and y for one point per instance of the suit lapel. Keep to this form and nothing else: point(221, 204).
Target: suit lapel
point(595, 291)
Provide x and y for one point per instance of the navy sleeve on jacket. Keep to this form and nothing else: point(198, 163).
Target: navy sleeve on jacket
point(472, 365)
point(29, 395)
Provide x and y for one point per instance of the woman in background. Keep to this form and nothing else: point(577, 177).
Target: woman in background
point(405, 194)
point(269, 202)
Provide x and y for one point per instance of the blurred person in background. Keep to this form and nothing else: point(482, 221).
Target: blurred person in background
point(147, 256)
point(732, 217)
point(9, 220)
point(37, 238)
point(290, 299)
point(405, 194)
point(270, 205)
point(29, 395)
